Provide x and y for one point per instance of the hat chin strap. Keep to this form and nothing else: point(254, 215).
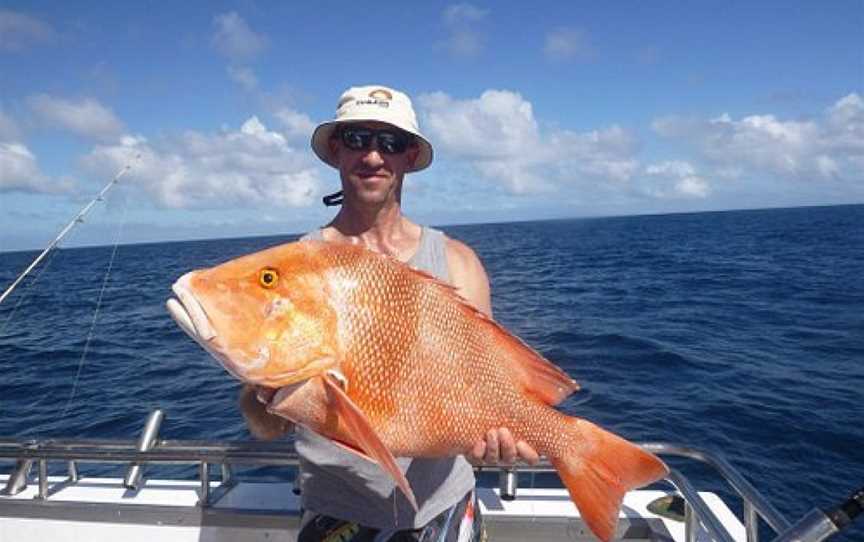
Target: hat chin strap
point(333, 200)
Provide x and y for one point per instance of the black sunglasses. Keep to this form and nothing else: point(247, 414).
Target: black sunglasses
point(389, 141)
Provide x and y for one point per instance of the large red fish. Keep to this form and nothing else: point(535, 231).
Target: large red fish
point(389, 361)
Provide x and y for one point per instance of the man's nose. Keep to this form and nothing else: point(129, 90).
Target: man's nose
point(373, 156)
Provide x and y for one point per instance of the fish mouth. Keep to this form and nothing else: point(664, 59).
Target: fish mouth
point(190, 315)
point(188, 312)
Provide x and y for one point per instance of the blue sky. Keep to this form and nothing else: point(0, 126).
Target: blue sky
point(560, 109)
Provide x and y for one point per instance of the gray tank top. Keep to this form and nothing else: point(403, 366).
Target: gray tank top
point(338, 483)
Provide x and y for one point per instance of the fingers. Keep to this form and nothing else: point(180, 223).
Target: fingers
point(527, 453)
point(507, 446)
point(264, 395)
point(493, 450)
point(500, 447)
point(475, 456)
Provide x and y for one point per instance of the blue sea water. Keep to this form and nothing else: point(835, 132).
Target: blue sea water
point(737, 332)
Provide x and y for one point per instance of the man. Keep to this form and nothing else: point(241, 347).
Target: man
point(373, 142)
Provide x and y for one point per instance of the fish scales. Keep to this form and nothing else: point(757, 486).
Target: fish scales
point(462, 371)
point(387, 360)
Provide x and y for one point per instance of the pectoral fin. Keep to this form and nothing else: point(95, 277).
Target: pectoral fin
point(363, 434)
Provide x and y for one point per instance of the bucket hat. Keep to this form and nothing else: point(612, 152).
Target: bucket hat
point(373, 103)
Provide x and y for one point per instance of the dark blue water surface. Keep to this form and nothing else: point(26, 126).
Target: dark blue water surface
point(738, 332)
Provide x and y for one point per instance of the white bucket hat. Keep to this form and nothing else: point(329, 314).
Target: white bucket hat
point(373, 103)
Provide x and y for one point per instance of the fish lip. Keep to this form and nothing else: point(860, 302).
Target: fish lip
point(190, 315)
point(192, 311)
point(181, 316)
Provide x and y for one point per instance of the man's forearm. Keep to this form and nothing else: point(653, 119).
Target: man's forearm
point(262, 424)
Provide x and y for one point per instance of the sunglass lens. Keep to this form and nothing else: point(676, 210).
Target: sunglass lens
point(391, 143)
point(356, 139)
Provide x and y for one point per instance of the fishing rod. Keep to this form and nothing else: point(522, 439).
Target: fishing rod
point(79, 218)
point(819, 525)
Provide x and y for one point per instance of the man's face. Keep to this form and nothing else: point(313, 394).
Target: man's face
point(371, 175)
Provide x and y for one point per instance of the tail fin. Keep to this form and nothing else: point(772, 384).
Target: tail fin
point(601, 471)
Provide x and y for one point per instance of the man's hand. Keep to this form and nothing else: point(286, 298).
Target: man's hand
point(262, 424)
point(499, 447)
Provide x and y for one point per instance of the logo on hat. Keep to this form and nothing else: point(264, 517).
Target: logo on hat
point(381, 94)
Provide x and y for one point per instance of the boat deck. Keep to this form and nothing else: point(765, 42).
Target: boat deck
point(97, 509)
point(35, 507)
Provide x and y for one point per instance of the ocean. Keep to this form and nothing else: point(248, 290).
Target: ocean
point(738, 332)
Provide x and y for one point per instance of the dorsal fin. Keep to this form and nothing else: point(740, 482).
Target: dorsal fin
point(540, 377)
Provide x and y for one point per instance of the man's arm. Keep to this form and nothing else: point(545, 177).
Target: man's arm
point(469, 277)
point(262, 424)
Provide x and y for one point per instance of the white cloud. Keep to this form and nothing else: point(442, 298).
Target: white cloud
point(844, 126)
point(498, 124)
point(568, 44)
point(252, 166)
point(498, 135)
point(464, 43)
point(464, 13)
point(243, 76)
point(298, 126)
point(675, 179)
point(830, 147)
point(241, 45)
point(86, 117)
point(19, 31)
point(9, 130)
point(464, 39)
point(19, 168)
point(235, 39)
point(20, 171)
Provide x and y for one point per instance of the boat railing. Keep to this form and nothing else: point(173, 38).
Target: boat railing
point(224, 454)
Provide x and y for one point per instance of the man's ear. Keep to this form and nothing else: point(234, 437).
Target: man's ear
point(413, 152)
point(334, 147)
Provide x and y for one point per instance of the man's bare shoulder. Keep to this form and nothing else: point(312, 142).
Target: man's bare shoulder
point(461, 254)
point(468, 274)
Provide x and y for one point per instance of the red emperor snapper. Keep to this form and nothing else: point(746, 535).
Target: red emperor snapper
point(388, 361)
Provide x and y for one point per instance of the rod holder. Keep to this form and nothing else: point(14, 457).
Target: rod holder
point(204, 475)
point(508, 482)
point(146, 441)
point(17, 481)
point(813, 527)
point(43, 479)
point(227, 474)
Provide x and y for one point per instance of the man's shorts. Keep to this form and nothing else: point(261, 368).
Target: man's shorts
point(461, 523)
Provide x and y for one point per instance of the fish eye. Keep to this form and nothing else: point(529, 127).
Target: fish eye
point(268, 278)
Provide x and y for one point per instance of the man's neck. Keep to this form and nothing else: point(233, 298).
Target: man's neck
point(382, 229)
point(358, 220)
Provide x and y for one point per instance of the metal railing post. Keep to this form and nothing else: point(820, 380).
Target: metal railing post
point(691, 523)
point(751, 522)
point(17, 481)
point(145, 443)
